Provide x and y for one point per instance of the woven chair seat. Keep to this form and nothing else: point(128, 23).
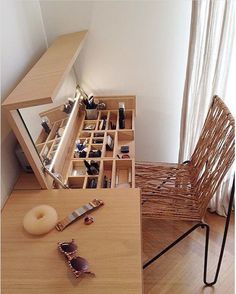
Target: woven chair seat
point(166, 192)
point(183, 192)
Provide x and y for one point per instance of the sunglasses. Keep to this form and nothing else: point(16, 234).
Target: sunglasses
point(77, 264)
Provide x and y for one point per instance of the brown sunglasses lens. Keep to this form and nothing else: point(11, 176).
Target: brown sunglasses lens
point(69, 247)
point(79, 264)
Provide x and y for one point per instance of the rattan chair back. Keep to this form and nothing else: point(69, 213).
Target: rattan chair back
point(214, 153)
point(183, 191)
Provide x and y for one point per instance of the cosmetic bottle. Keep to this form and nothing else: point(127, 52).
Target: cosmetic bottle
point(122, 115)
point(45, 125)
point(105, 182)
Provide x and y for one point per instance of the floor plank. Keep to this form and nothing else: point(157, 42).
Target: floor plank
point(180, 270)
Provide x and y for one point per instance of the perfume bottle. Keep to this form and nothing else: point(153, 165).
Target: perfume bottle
point(122, 115)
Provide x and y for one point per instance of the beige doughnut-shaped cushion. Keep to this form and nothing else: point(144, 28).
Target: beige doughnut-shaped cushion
point(40, 220)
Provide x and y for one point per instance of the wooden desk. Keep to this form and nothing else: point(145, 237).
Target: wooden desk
point(112, 245)
point(26, 181)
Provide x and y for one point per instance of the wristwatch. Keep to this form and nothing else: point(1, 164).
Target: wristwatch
point(78, 213)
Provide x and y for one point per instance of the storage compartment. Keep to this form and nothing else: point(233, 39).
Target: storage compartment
point(50, 156)
point(81, 148)
point(98, 134)
point(39, 147)
point(95, 151)
point(113, 120)
point(42, 137)
point(85, 135)
point(103, 114)
point(64, 122)
point(126, 138)
point(54, 134)
point(89, 125)
point(76, 182)
point(56, 144)
point(98, 140)
point(107, 174)
point(94, 167)
point(123, 174)
point(92, 182)
point(102, 124)
point(77, 169)
point(128, 120)
point(54, 130)
point(110, 144)
point(46, 151)
point(113, 171)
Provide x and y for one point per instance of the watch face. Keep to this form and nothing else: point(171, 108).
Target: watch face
point(97, 202)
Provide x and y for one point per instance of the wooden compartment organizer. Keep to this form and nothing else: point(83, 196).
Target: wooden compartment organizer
point(47, 144)
point(52, 155)
point(114, 171)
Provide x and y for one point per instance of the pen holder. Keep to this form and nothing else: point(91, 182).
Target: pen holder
point(91, 113)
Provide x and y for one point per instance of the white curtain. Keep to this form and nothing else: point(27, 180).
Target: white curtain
point(209, 59)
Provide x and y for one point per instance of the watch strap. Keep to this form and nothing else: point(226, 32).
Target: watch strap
point(78, 213)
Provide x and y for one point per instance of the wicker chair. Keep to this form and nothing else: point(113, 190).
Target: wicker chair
point(183, 191)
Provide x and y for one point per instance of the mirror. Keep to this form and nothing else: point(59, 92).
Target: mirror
point(47, 124)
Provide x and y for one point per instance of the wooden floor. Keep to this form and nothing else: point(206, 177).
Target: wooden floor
point(180, 270)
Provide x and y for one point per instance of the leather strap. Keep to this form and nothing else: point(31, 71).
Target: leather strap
point(78, 213)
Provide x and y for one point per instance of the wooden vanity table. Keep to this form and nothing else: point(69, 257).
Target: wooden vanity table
point(40, 95)
point(112, 244)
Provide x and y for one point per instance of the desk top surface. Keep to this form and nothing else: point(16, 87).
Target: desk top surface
point(112, 245)
point(27, 181)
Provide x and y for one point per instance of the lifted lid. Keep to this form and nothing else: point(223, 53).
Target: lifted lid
point(43, 81)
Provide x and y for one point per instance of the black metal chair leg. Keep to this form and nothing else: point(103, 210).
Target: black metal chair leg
point(206, 226)
point(223, 242)
point(173, 244)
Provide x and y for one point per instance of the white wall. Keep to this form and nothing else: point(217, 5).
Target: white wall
point(133, 47)
point(23, 42)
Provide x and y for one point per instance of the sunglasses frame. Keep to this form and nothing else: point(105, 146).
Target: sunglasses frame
point(73, 255)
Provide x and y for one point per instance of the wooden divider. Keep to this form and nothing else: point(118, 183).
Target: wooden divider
point(114, 171)
point(110, 165)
